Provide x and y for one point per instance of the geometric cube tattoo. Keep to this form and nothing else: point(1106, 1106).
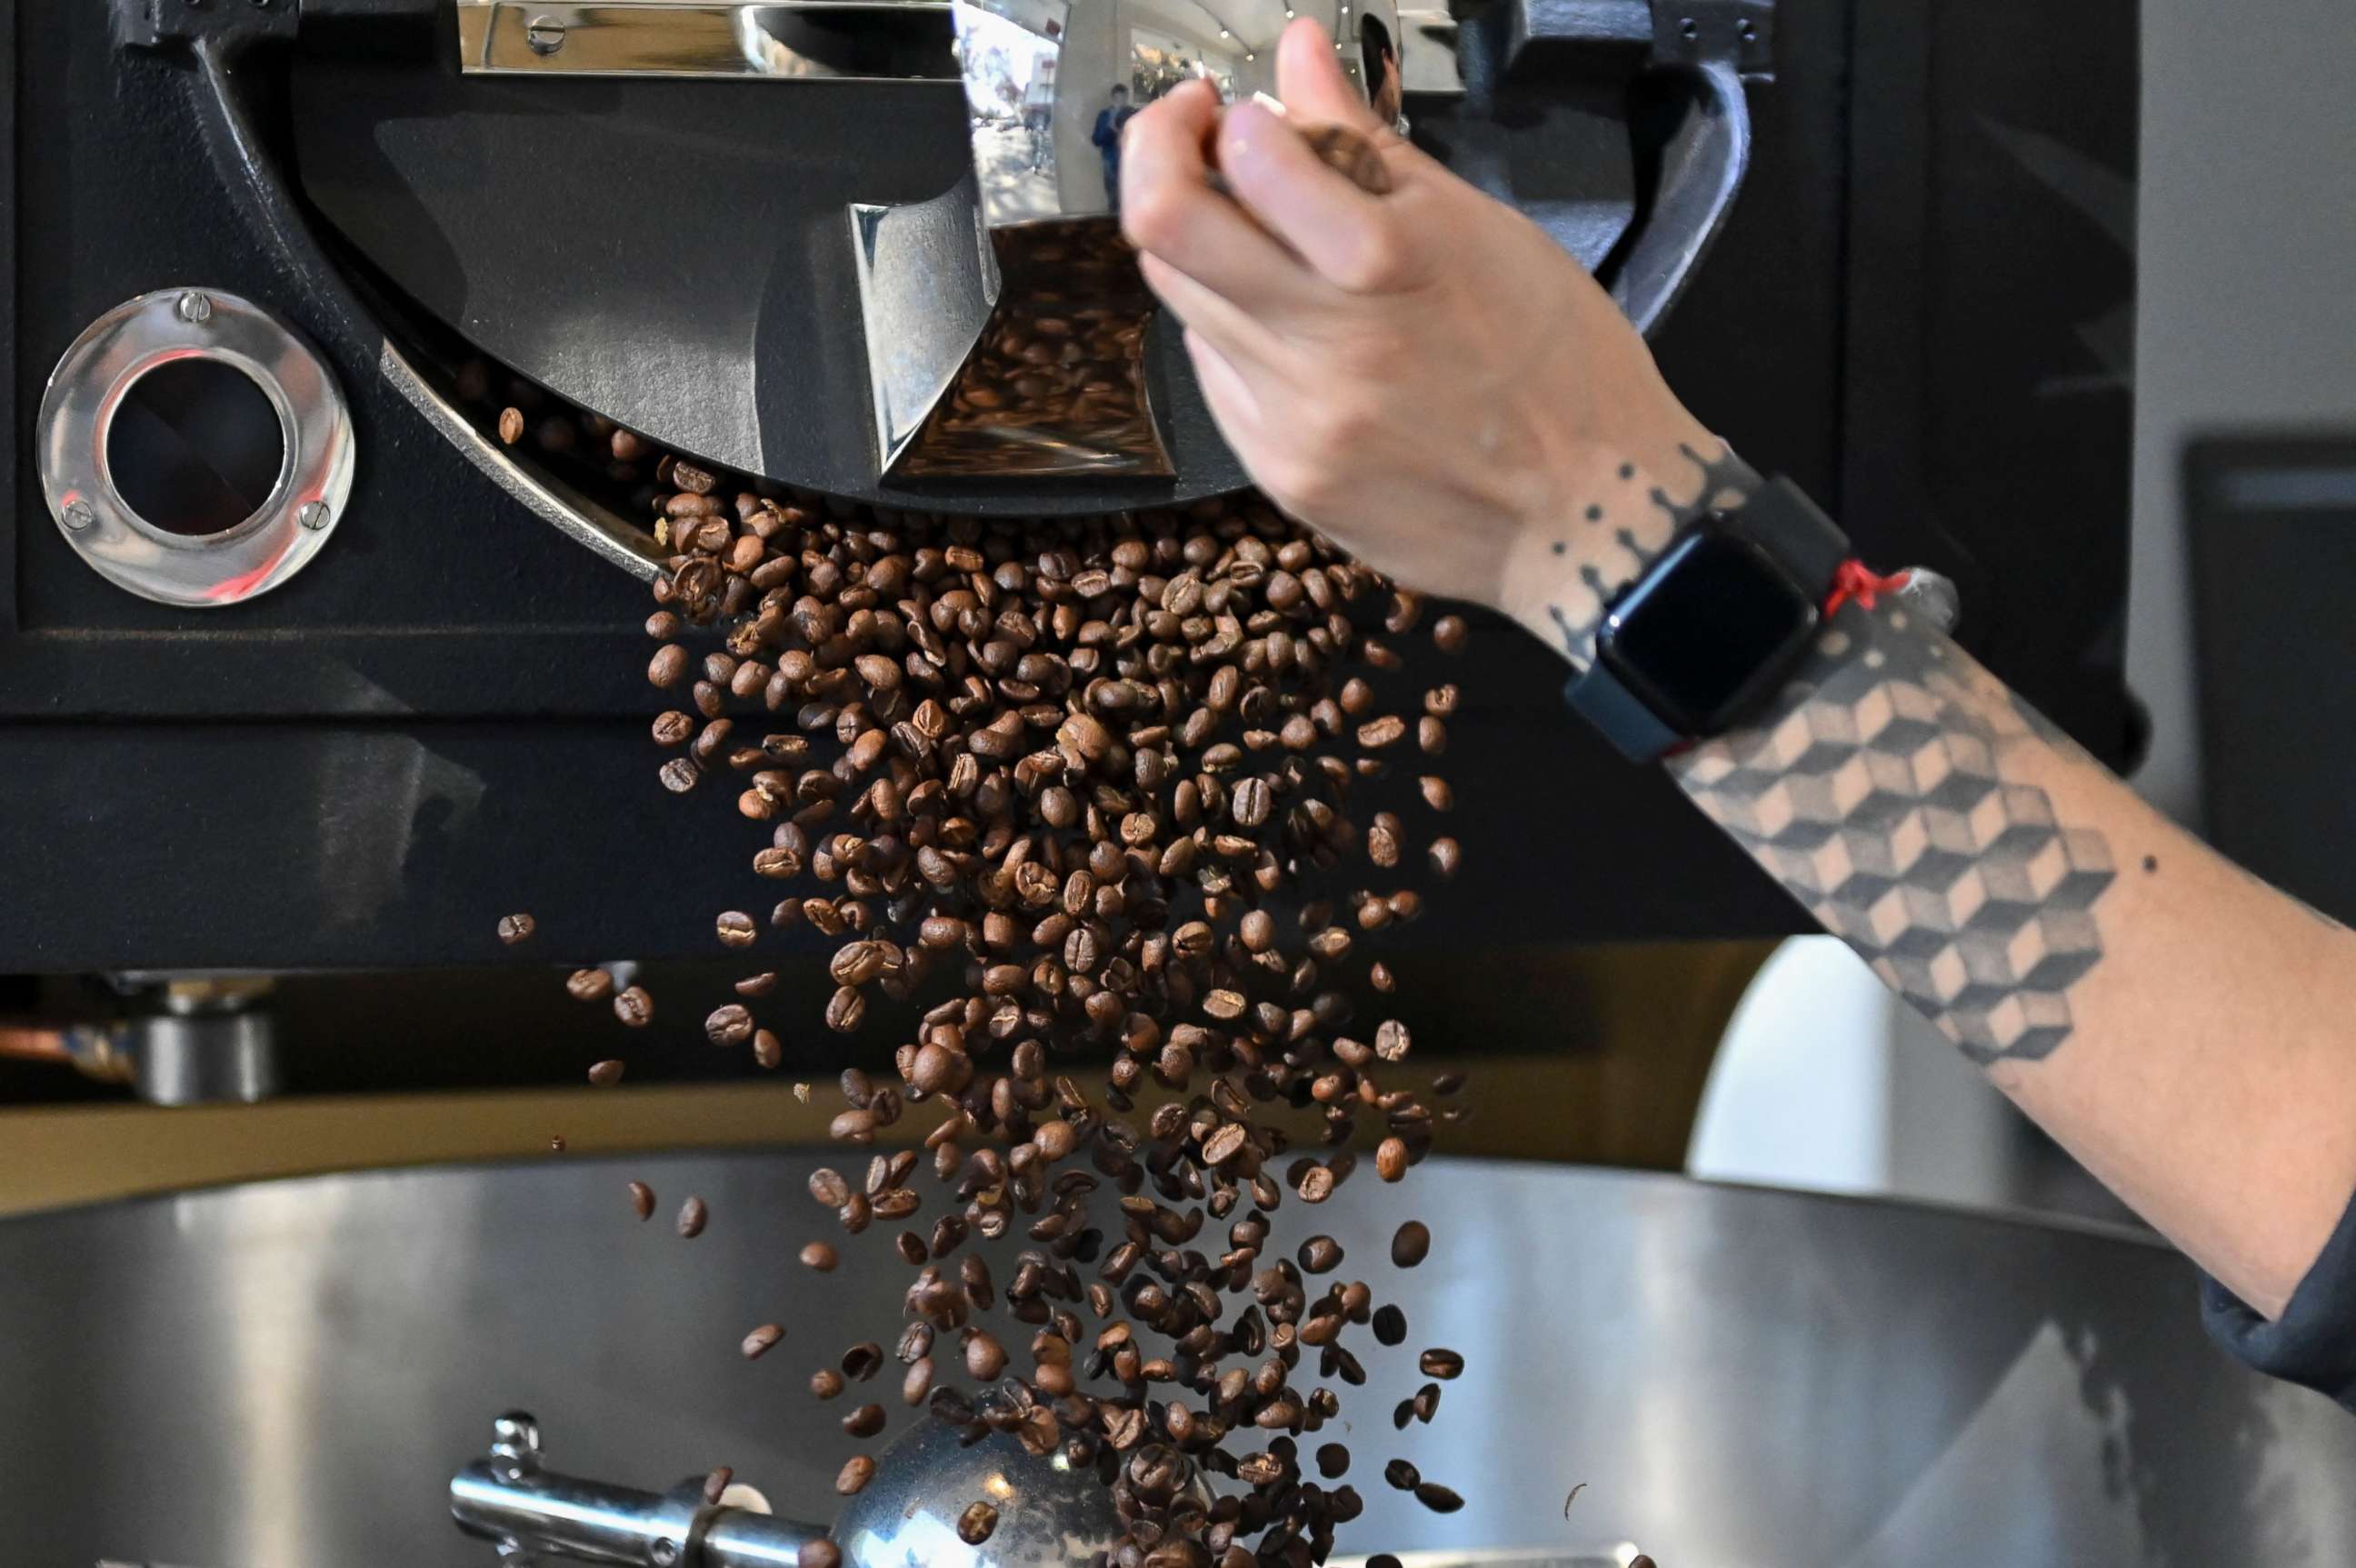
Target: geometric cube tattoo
point(1884, 790)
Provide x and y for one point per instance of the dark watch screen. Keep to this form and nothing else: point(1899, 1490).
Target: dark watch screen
point(1706, 631)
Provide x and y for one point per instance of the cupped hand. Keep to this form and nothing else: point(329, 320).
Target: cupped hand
point(1425, 376)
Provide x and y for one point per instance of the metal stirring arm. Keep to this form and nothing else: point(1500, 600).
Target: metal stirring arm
point(537, 1516)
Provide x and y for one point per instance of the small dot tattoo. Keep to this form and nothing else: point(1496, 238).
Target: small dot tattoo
point(1560, 548)
point(1595, 514)
point(1627, 470)
point(2150, 864)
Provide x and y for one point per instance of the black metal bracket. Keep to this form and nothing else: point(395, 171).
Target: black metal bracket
point(1529, 37)
point(228, 24)
point(1692, 32)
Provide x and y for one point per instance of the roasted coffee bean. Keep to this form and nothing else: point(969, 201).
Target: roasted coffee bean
point(514, 928)
point(819, 1256)
point(1332, 1461)
point(1411, 1244)
point(984, 1356)
point(642, 1200)
point(679, 774)
point(606, 1074)
point(1436, 793)
point(1402, 1474)
point(510, 425)
point(826, 1382)
point(975, 1524)
point(864, 1421)
point(829, 1187)
point(1442, 1364)
point(715, 1485)
point(589, 984)
point(757, 984)
point(845, 1010)
point(692, 1217)
point(760, 1341)
point(1447, 633)
point(1320, 1255)
point(820, 1552)
point(737, 928)
point(1390, 1159)
point(861, 1362)
point(857, 1470)
point(1437, 1499)
point(767, 1049)
point(1391, 1326)
point(729, 1025)
point(1444, 856)
point(634, 1007)
point(669, 666)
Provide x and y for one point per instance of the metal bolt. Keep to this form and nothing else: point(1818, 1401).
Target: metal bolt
point(194, 308)
point(663, 1553)
point(314, 515)
point(545, 35)
point(1749, 32)
point(1690, 28)
point(79, 514)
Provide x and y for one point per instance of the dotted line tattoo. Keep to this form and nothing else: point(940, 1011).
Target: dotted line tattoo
point(1722, 483)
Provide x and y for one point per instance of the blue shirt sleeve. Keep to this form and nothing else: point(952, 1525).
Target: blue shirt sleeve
point(2314, 1343)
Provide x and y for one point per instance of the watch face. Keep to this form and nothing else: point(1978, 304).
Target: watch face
point(1704, 632)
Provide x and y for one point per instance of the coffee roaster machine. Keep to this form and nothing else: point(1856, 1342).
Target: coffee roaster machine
point(306, 673)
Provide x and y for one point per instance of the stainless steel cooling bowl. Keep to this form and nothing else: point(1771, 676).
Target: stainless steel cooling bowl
point(287, 1374)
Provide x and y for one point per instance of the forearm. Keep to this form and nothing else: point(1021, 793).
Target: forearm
point(2187, 1032)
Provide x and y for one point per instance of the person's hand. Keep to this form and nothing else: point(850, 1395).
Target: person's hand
point(1425, 377)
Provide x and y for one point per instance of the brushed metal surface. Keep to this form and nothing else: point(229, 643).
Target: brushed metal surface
point(286, 1375)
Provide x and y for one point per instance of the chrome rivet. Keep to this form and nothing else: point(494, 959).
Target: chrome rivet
point(663, 1553)
point(545, 35)
point(194, 308)
point(314, 515)
point(79, 515)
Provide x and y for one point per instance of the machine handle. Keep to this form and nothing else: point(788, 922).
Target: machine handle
point(1702, 165)
point(535, 1515)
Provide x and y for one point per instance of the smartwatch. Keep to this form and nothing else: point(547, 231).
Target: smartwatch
point(1706, 635)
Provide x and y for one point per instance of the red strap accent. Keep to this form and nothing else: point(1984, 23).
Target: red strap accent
point(1856, 580)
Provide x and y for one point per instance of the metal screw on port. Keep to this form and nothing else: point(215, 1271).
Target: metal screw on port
point(194, 308)
point(314, 515)
point(545, 35)
point(79, 515)
point(664, 1553)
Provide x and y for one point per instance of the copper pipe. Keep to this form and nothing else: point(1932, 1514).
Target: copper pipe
point(35, 1044)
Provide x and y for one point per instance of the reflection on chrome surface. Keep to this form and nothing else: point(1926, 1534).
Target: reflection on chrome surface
point(1051, 380)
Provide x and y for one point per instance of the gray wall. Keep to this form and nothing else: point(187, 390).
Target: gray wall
point(2248, 312)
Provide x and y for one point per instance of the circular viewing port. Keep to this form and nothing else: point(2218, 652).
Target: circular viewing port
point(195, 447)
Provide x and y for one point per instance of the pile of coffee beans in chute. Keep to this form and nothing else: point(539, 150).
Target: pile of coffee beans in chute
point(1078, 793)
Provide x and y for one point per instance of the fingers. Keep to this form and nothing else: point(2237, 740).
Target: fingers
point(1169, 210)
point(1233, 404)
point(1348, 237)
point(1309, 79)
point(1236, 332)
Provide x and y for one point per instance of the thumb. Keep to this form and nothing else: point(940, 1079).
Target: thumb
point(1309, 79)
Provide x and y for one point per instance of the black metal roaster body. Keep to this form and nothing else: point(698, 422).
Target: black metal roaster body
point(438, 716)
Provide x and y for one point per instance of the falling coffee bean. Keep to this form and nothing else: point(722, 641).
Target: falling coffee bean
point(589, 985)
point(715, 1485)
point(692, 1217)
point(634, 1007)
point(1437, 1499)
point(819, 1554)
point(1411, 1244)
point(819, 1256)
point(864, 1421)
point(1442, 1364)
point(1320, 1255)
point(760, 1341)
point(737, 928)
point(510, 425)
point(825, 1383)
point(514, 928)
point(975, 1525)
point(1402, 1474)
point(606, 1074)
point(856, 1472)
point(1391, 1326)
point(642, 1200)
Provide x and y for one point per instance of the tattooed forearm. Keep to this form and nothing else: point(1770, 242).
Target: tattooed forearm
point(1615, 537)
point(1889, 791)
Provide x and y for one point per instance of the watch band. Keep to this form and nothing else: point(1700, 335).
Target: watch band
point(1781, 520)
